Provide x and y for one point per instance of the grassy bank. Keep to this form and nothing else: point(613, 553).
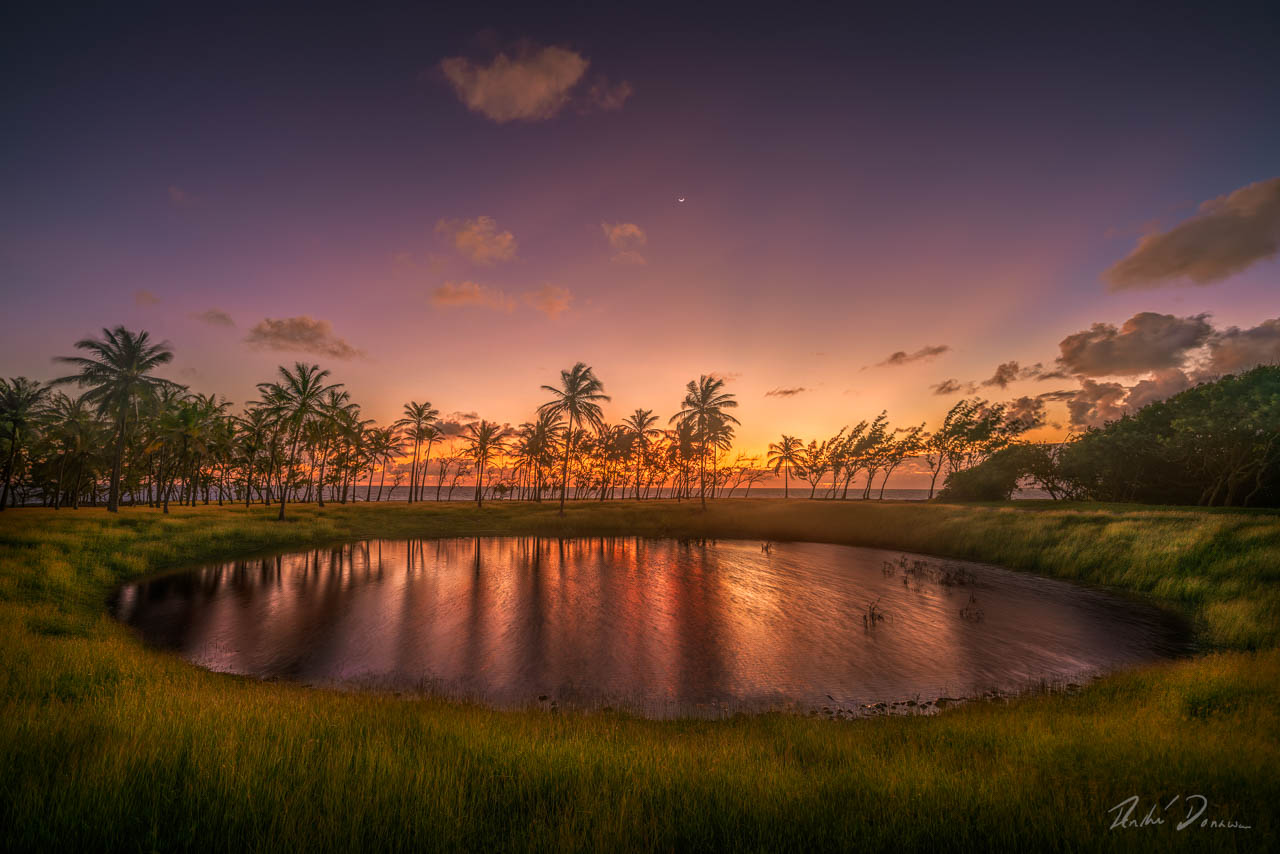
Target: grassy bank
point(105, 743)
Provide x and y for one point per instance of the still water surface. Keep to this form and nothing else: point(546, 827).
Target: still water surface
point(663, 627)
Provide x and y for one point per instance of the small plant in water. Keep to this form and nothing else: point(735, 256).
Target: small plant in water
point(972, 611)
point(874, 615)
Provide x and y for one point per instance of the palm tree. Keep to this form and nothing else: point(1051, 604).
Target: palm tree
point(704, 403)
point(21, 400)
point(784, 455)
point(641, 424)
point(485, 440)
point(577, 400)
point(416, 416)
point(76, 433)
point(296, 398)
point(116, 374)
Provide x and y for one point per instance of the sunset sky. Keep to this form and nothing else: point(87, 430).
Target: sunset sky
point(452, 205)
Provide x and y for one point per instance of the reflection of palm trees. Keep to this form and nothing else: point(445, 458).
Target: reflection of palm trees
point(577, 400)
point(784, 455)
point(116, 374)
point(704, 404)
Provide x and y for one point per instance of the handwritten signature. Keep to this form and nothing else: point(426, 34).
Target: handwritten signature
point(1194, 806)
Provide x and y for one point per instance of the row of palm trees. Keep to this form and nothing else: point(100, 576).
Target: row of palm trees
point(145, 439)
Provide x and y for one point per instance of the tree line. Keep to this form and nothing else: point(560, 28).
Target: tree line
point(1216, 444)
point(113, 432)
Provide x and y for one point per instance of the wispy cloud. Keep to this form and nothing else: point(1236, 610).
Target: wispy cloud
point(785, 392)
point(180, 197)
point(455, 294)
point(1230, 234)
point(479, 239)
point(301, 334)
point(627, 240)
point(902, 357)
point(551, 300)
point(952, 386)
point(214, 317)
point(145, 297)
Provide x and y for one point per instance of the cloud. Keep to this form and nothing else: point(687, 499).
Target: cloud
point(1146, 342)
point(1158, 386)
point(532, 85)
point(551, 300)
point(952, 386)
point(479, 239)
point(301, 334)
point(455, 423)
point(1027, 412)
point(180, 197)
point(1230, 234)
point(1005, 374)
point(145, 297)
point(604, 96)
point(785, 392)
point(627, 240)
point(902, 357)
point(1009, 372)
point(1096, 403)
point(469, 293)
point(1234, 350)
point(214, 317)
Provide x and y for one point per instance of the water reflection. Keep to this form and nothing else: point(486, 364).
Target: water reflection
point(662, 626)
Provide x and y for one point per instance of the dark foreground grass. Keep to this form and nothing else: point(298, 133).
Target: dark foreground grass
point(107, 745)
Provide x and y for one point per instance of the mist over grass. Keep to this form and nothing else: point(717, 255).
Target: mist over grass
point(107, 744)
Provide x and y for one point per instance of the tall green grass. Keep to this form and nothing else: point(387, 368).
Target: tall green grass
point(107, 745)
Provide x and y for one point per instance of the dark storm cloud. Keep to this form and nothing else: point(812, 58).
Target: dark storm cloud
point(1229, 235)
point(300, 334)
point(1145, 342)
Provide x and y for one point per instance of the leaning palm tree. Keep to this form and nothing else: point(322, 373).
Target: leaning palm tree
point(295, 399)
point(704, 404)
point(484, 440)
point(116, 374)
point(785, 455)
point(577, 400)
point(21, 400)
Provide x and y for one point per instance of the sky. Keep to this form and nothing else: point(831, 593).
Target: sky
point(881, 207)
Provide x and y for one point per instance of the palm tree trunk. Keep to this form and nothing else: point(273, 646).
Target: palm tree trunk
point(288, 472)
point(413, 471)
point(113, 493)
point(564, 472)
point(8, 469)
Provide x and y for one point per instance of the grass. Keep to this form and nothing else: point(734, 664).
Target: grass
point(105, 744)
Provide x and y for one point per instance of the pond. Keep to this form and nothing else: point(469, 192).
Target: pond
point(661, 627)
